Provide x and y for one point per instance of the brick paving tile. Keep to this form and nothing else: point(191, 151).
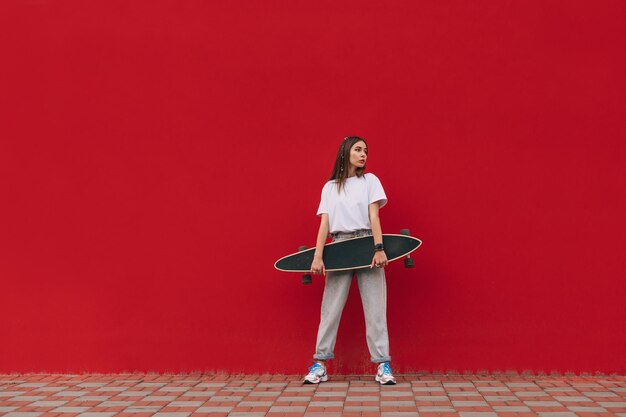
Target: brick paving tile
point(206, 395)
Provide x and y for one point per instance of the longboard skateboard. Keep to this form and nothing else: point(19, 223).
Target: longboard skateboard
point(352, 253)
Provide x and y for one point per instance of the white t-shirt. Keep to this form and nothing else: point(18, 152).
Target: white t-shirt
point(348, 211)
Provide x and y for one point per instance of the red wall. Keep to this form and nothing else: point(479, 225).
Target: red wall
point(156, 158)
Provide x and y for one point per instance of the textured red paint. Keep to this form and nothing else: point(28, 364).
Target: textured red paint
point(157, 157)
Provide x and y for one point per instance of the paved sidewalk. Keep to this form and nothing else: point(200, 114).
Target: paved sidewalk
point(199, 395)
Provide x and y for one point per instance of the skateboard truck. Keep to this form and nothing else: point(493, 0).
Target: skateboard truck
point(408, 261)
point(306, 278)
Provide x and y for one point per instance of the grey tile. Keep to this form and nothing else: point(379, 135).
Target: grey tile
point(143, 409)
point(571, 398)
point(70, 393)
point(172, 389)
point(322, 414)
point(23, 414)
point(464, 394)
point(211, 385)
point(600, 394)
point(287, 398)
point(97, 414)
point(335, 384)
point(237, 389)
point(49, 389)
point(326, 404)
point(493, 389)
point(363, 389)
point(91, 384)
point(116, 403)
point(435, 409)
point(510, 408)
point(175, 414)
point(385, 393)
point(399, 414)
point(330, 393)
point(186, 403)
point(160, 398)
point(272, 384)
point(433, 398)
point(135, 393)
point(199, 393)
point(542, 403)
point(48, 403)
point(469, 403)
point(246, 414)
point(300, 389)
point(501, 398)
point(521, 384)
point(151, 384)
point(556, 414)
point(428, 389)
point(458, 385)
point(28, 398)
point(221, 398)
point(7, 409)
point(255, 404)
point(397, 403)
point(287, 409)
point(363, 398)
point(264, 393)
point(70, 409)
point(112, 389)
point(11, 393)
point(559, 389)
point(32, 385)
point(208, 409)
point(577, 409)
point(478, 414)
point(612, 404)
point(521, 394)
point(360, 408)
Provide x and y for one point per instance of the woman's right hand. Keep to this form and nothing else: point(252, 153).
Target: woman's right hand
point(317, 267)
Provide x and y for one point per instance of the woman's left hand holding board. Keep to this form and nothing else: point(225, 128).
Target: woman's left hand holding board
point(317, 267)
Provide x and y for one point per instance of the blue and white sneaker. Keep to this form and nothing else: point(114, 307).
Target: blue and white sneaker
point(317, 374)
point(384, 375)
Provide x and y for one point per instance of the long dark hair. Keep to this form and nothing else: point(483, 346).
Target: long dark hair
point(342, 163)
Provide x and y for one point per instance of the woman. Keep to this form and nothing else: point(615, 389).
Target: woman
point(349, 208)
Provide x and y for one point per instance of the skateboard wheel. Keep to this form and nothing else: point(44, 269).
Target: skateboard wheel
point(301, 248)
point(409, 263)
point(307, 279)
point(405, 232)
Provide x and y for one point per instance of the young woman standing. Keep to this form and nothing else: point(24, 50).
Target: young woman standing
point(349, 208)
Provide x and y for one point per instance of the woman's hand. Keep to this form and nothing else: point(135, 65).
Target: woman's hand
point(380, 259)
point(317, 267)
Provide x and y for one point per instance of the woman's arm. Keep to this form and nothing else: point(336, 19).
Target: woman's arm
point(380, 258)
point(317, 267)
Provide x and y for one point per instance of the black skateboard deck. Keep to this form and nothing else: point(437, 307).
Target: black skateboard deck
point(352, 253)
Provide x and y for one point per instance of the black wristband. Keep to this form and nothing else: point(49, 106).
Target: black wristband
point(378, 247)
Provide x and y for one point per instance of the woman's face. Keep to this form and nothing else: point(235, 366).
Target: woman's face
point(358, 154)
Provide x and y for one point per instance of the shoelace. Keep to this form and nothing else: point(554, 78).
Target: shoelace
point(386, 369)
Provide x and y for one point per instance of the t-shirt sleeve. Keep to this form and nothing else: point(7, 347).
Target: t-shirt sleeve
point(323, 207)
point(375, 191)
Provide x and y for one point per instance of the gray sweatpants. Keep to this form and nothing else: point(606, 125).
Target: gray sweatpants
point(373, 290)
